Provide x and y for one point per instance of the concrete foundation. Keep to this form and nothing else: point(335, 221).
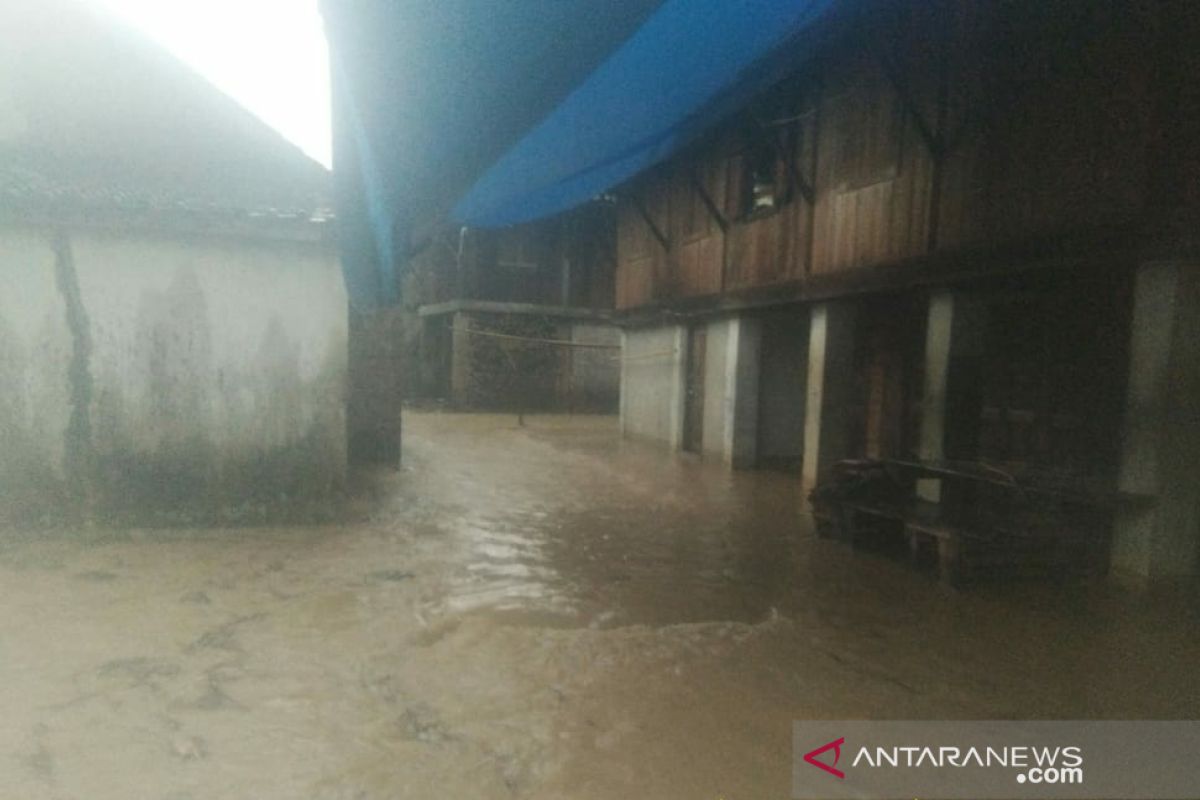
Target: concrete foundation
point(716, 367)
point(953, 343)
point(1157, 531)
point(167, 376)
point(731, 374)
point(742, 347)
point(653, 361)
point(830, 390)
point(938, 339)
point(654, 376)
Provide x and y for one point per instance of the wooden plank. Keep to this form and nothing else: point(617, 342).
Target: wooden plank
point(1045, 133)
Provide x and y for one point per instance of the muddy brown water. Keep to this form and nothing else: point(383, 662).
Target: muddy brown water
point(527, 612)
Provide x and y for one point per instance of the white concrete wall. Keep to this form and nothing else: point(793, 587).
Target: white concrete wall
point(653, 383)
point(652, 365)
point(208, 373)
point(35, 354)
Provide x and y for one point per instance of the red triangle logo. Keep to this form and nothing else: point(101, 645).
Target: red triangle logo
point(836, 747)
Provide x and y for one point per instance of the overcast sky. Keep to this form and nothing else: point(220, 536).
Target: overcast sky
point(269, 55)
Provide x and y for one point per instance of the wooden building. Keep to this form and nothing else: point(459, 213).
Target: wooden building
point(962, 230)
point(518, 318)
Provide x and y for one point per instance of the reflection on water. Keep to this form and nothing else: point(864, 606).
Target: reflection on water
point(501, 569)
point(600, 527)
point(532, 612)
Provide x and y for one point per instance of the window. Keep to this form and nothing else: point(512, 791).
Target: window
point(762, 181)
point(772, 136)
point(517, 248)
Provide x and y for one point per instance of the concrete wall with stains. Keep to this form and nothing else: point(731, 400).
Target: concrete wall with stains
point(35, 356)
point(168, 377)
point(653, 364)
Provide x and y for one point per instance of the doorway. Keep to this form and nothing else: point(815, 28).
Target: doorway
point(783, 377)
point(693, 399)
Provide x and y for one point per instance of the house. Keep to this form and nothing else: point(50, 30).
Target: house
point(957, 231)
point(945, 230)
point(518, 318)
point(173, 320)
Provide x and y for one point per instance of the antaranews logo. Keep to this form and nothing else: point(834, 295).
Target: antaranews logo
point(836, 747)
point(1032, 763)
point(996, 759)
point(1045, 765)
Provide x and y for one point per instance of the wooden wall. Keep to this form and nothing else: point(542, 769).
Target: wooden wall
point(522, 263)
point(929, 129)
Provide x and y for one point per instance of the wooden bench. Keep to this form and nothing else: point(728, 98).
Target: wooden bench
point(1012, 527)
point(920, 523)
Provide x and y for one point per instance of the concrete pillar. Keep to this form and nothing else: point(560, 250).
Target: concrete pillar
point(830, 390)
point(938, 338)
point(742, 345)
point(731, 390)
point(623, 387)
point(716, 371)
point(1157, 535)
point(373, 408)
point(678, 385)
point(954, 341)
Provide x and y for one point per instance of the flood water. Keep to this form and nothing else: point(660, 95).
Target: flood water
point(537, 611)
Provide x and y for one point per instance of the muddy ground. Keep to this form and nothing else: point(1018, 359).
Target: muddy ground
point(526, 612)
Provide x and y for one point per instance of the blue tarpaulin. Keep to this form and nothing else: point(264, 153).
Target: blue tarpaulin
point(494, 113)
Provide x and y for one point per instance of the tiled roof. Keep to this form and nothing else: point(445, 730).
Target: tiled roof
point(97, 120)
point(24, 188)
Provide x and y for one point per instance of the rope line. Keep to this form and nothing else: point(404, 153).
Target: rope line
point(642, 356)
point(569, 343)
point(564, 342)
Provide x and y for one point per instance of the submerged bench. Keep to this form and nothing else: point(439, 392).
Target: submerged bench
point(987, 521)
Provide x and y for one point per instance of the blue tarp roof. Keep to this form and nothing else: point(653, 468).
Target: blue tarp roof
point(504, 112)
